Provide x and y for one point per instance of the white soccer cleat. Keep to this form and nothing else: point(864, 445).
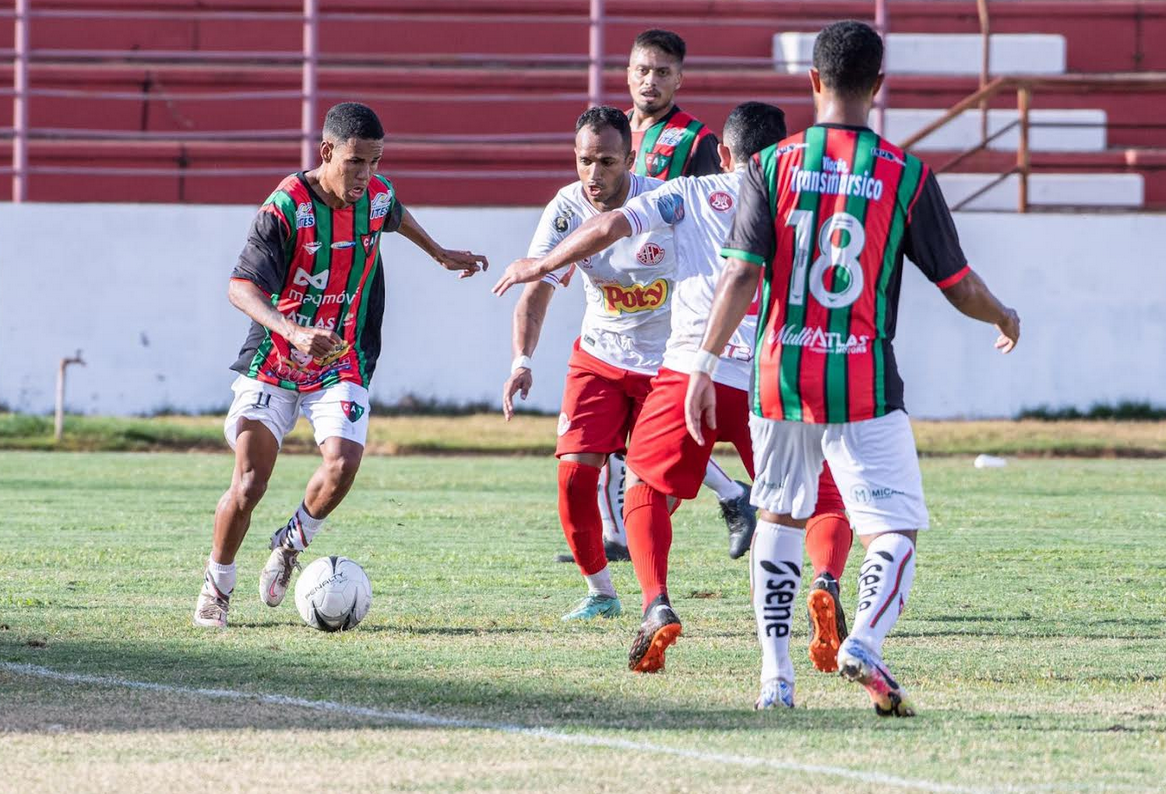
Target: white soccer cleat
point(858, 663)
point(277, 573)
point(211, 609)
point(776, 694)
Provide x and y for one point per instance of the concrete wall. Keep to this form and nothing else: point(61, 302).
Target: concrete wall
point(141, 291)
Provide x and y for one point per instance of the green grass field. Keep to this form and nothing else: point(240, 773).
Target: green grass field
point(1034, 644)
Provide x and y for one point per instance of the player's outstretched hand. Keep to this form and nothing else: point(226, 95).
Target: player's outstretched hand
point(520, 271)
point(1009, 331)
point(520, 379)
point(467, 262)
point(700, 406)
point(315, 342)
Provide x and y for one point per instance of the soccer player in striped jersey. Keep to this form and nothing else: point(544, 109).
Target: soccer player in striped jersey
point(310, 278)
point(665, 464)
point(625, 326)
point(827, 216)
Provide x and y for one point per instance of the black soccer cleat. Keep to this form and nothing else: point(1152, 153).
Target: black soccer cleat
point(615, 552)
point(741, 519)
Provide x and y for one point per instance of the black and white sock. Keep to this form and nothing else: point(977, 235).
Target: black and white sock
point(776, 575)
point(884, 582)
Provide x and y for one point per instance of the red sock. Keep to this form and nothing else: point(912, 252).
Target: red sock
point(828, 541)
point(649, 528)
point(579, 514)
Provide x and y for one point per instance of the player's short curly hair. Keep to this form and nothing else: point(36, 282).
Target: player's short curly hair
point(604, 116)
point(849, 56)
point(350, 120)
point(751, 126)
point(665, 41)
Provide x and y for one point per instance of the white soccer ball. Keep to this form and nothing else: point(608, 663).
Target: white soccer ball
point(333, 594)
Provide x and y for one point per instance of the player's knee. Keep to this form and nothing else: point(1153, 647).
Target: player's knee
point(249, 489)
point(342, 468)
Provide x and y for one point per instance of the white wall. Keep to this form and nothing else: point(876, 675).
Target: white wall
point(141, 290)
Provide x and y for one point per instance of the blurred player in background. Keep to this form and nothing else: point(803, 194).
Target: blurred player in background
point(827, 217)
point(663, 460)
point(668, 143)
point(310, 279)
point(625, 325)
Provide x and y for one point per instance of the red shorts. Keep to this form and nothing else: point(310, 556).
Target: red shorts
point(665, 456)
point(600, 405)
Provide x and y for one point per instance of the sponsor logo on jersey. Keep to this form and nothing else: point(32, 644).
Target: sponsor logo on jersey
point(564, 424)
point(883, 154)
point(864, 494)
point(671, 208)
point(836, 183)
point(343, 244)
point(312, 248)
point(380, 206)
point(305, 218)
point(721, 201)
point(352, 410)
point(819, 341)
point(305, 279)
point(618, 299)
point(650, 254)
point(671, 136)
point(789, 147)
point(369, 241)
point(737, 352)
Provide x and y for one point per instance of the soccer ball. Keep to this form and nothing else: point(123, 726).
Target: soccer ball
point(333, 594)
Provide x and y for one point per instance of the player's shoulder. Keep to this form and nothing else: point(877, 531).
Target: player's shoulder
point(380, 184)
point(570, 195)
point(644, 184)
point(291, 187)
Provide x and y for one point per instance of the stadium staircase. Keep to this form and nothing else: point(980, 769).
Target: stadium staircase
point(480, 97)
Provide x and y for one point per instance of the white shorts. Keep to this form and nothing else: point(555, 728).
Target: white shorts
point(874, 463)
point(340, 410)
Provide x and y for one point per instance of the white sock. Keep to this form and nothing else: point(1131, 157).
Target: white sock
point(599, 583)
point(775, 569)
point(715, 478)
point(301, 529)
point(222, 576)
point(612, 480)
point(884, 582)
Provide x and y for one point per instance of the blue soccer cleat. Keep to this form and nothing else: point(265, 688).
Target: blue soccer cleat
point(777, 694)
point(858, 663)
point(595, 606)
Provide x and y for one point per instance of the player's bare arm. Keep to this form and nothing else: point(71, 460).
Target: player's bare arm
point(251, 300)
point(528, 323)
point(973, 298)
point(467, 262)
point(735, 292)
point(596, 234)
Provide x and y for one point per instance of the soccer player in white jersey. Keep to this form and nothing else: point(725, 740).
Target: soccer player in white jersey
point(663, 460)
point(625, 326)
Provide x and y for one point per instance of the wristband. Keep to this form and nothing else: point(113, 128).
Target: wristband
point(520, 362)
point(705, 362)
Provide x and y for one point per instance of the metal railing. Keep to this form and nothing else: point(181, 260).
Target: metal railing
point(1025, 88)
point(310, 59)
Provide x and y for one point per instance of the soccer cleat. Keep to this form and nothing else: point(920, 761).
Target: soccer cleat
point(860, 664)
point(615, 552)
point(775, 694)
point(211, 609)
point(827, 622)
point(660, 629)
point(741, 519)
point(595, 605)
point(277, 573)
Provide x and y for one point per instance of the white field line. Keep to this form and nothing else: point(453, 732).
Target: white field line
point(546, 734)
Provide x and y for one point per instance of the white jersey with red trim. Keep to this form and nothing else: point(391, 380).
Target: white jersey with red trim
point(700, 212)
point(628, 285)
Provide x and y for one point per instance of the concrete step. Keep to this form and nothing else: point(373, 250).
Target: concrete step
point(1083, 131)
point(941, 53)
point(1047, 190)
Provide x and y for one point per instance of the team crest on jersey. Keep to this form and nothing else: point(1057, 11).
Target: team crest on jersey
point(657, 163)
point(561, 224)
point(671, 136)
point(618, 299)
point(352, 410)
point(305, 218)
point(312, 248)
point(369, 241)
point(380, 206)
point(564, 424)
point(721, 201)
point(303, 278)
point(650, 254)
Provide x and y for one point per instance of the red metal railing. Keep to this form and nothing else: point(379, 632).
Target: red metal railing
point(311, 60)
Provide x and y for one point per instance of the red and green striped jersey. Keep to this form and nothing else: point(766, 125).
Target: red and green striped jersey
point(829, 214)
point(322, 268)
point(676, 145)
